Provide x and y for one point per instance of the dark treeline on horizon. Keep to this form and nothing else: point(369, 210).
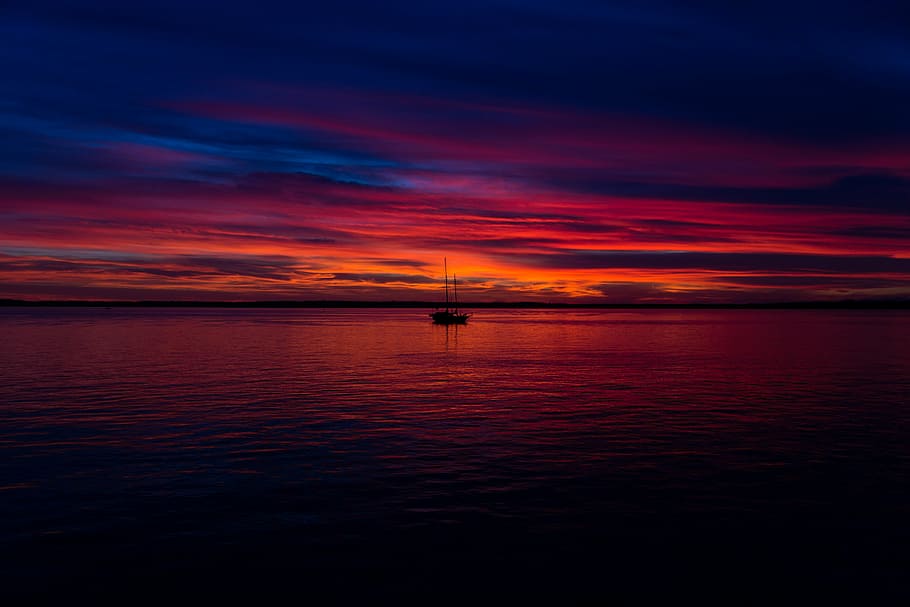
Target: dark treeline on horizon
point(844, 304)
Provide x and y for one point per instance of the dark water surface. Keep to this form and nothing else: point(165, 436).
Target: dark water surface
point(367, 453)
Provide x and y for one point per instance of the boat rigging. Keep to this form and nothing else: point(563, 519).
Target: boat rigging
point(451, 315)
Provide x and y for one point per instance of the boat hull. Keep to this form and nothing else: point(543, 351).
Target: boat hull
point(449, 318)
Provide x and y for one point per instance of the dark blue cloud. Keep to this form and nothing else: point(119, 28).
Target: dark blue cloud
point(882, 191)
point(813, 70)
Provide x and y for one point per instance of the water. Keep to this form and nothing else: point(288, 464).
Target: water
point(368, 453)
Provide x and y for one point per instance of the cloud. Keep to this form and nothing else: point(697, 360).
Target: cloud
point(816, 282)
point(899, 233)
point(871, 191)
point(382, 278)
point(744, 262)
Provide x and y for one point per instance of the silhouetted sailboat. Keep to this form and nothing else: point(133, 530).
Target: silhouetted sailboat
point(450, 316)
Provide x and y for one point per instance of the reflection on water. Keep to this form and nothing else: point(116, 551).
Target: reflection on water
point(530, 451)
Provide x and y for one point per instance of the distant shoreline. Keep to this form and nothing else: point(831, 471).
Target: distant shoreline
point(824, 305)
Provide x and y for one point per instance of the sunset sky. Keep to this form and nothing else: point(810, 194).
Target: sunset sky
point(578, 151)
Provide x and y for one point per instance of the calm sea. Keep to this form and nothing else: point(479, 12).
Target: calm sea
point(532, 453)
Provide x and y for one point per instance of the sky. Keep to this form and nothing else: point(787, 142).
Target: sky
point(571, 151)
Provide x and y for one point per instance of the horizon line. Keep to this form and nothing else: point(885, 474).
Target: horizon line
point(341, 303)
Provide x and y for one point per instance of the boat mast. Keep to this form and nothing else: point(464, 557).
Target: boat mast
point(455, 286)
point(446, 268)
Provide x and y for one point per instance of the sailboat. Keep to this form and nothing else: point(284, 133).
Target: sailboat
point(450, 316)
